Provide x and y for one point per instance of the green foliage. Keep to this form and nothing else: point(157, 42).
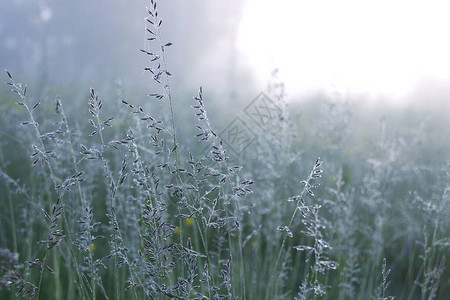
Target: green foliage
point(119, 202)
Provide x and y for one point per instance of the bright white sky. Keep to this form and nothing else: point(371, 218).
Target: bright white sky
point(378, 47)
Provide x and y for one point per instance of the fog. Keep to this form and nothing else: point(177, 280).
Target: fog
point(95, 42)
point(386, 54)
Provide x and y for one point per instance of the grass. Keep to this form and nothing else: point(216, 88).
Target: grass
point(122, 202)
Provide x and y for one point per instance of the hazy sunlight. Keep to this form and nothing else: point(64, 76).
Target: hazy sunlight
point(377, 47)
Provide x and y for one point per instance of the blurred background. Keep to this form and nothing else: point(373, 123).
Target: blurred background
point(389, 52)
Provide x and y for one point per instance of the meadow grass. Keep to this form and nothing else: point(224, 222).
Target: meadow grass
point(119, 202)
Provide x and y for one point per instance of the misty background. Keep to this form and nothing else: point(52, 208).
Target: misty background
point(231, 47)
point(86, 44)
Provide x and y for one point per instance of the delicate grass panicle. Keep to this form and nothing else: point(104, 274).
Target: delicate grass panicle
point(114, 204)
